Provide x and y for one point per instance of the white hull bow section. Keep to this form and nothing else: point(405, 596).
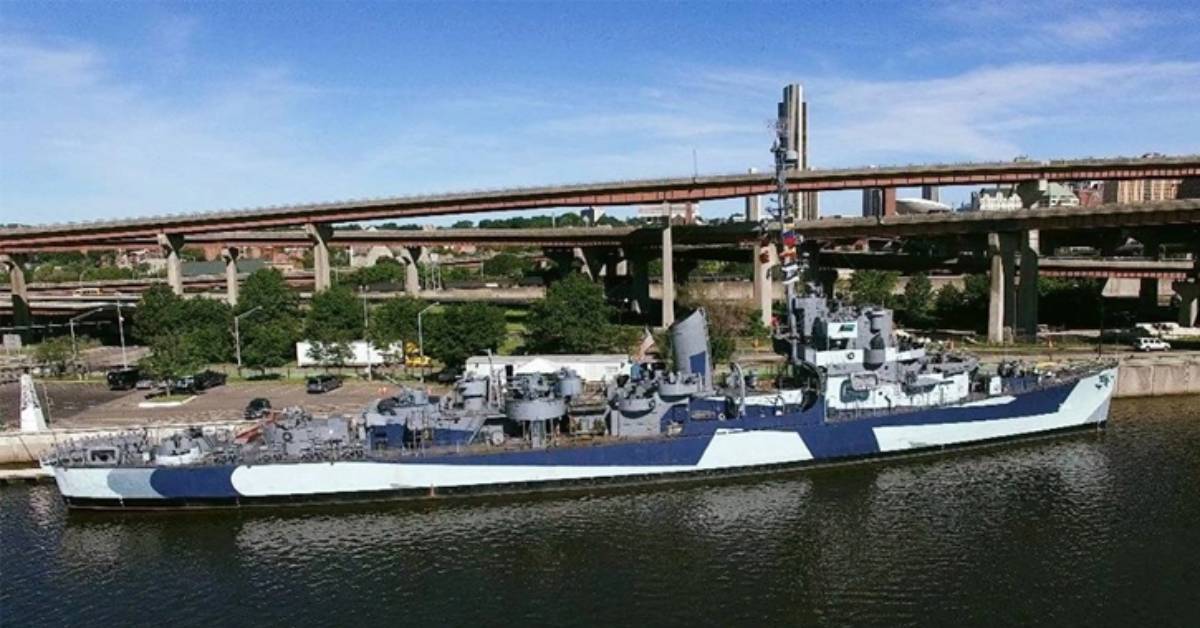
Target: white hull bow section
point(1073, 405)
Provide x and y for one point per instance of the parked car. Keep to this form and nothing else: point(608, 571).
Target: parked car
point(323, 383)
point(209, 379)
point(123, 379)
point(186, 385)
point(146, 383)
point(1151, 344)
point(258, 408)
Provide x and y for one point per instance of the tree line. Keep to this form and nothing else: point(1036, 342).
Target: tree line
point(1065, 302)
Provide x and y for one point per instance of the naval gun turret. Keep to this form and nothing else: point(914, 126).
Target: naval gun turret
point(536, 401)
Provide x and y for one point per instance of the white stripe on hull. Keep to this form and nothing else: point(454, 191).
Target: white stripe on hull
point(1087, 403)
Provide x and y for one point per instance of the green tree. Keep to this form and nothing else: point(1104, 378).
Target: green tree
point(268, 346)
point(462, 224)
point(335, 315)
point(207, 323)
point(172, 355)
point(948, 306)
point(573, 318)
point(462, 330)
point(395, 323)
point(873, 287)
point(159, 311)
point(268, 335)
point(209, 326)
point(335, 318)
point(385, 270)
point(54, 354)
point(917, 302)
point(506, 265)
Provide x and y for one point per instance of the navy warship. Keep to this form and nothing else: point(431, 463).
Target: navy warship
point(850, 388)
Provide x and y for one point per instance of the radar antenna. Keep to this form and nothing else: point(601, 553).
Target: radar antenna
point(793, 259)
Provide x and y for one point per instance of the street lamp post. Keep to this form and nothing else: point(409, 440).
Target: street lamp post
point(421, 338)
point(237, 335)
point(121, 330)
point(366, 332)
point(71, 324)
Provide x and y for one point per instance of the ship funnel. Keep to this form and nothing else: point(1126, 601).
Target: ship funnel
point(689, 343)
point(32, 417)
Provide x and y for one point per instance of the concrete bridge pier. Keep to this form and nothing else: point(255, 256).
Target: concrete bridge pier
point(639, 274)
point(172, 245)
point(411, 256)
point(1189, 293)
point(1001, 249)
point(1027, 295)
point(1148, 286)
point(762, 270)
point(230, 255)
point(1189, 301)
point(320, 234)
point(668, 277)
point(15, 265)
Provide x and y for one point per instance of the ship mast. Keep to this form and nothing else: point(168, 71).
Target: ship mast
point(793, 264)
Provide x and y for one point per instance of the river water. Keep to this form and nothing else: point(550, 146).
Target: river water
point(1095, 528)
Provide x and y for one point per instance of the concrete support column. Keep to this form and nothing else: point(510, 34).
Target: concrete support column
point(889, 202)
point(1189, 293)
point(1189, 302)
point(1027, 296)
point(172, 245)
point(668, 278)
point(1148, 287)
point(931, 193)
point(762, 269)
point(15, 265)
point(639, 267)
point(1000, 249)
point(412, 271)
point(230, 255)
point(320, 234)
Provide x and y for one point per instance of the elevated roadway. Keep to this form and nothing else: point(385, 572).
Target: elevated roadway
point(1176, 213)
point(636, 192)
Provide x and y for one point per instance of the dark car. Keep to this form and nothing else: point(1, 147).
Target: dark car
point(258, 408)
point(209, 379)
point(123, 379)
point(183, 385)
point(323, 383)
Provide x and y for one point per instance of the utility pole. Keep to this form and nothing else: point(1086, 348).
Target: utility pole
point(366, 332)
point(421, 338)
point(237, 334)
point(71, 324)
point(121, 330)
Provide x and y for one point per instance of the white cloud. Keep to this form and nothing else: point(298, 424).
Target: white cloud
point(82, 139)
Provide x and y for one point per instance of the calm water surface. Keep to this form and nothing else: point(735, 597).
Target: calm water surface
point(1090, 529)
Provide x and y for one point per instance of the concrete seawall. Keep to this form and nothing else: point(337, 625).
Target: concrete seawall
point(1159, 376)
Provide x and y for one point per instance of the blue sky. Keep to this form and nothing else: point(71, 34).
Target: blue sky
point(113, 111)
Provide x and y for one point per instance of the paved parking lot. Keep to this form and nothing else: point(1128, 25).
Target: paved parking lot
point(93, 405)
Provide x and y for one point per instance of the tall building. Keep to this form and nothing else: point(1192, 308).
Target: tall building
point(1141, 190)
point(793, 109)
